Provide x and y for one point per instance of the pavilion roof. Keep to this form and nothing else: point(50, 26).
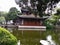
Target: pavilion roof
point(32, 16)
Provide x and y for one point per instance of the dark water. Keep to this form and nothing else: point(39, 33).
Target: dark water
point(33, 37)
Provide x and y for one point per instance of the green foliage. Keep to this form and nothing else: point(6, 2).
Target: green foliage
point(48, 24)
point(2, 19)
point(3, 13)
point(51, 22)
point(11, 15)
point(6, 38)
point(13, 12)
point(41, 5)
point(58, 11)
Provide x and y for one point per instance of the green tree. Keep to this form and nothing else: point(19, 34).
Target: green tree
point(12, 14)
point(41, 5)
point(58, 12)
point(2, 20)
point(53, 20)
point(6, 38)
point(4, 14)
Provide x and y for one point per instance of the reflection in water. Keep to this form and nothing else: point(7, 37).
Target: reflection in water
point(10, 29)
point(49, 38)
point(18, 43)
point(49, 41)
point(44, 42)
point(31, 37)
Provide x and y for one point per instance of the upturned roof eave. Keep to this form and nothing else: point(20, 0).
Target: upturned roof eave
point(31, 17)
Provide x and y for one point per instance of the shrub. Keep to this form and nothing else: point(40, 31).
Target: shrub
point(52, 21)
point(49, 25)
point(6, 38)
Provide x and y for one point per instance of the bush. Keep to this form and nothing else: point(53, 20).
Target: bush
point(49, 25)
point(6, 38)
point(51, 21)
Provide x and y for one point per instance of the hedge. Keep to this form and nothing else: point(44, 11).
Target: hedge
point(6, 38)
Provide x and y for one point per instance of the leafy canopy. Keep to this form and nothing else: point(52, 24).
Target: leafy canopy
point(6, 38)
point(12, 14)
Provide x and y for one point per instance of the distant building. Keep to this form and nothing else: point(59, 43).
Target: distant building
point(29, 20)
point(29, 17)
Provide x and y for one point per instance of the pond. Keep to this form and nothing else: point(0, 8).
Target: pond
point(32, 37)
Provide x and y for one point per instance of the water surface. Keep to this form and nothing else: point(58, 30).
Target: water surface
point(33, 37)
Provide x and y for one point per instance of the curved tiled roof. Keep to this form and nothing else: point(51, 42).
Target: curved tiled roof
point(32, 16)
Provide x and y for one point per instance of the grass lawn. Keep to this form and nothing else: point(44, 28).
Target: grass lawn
point(33, 37)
